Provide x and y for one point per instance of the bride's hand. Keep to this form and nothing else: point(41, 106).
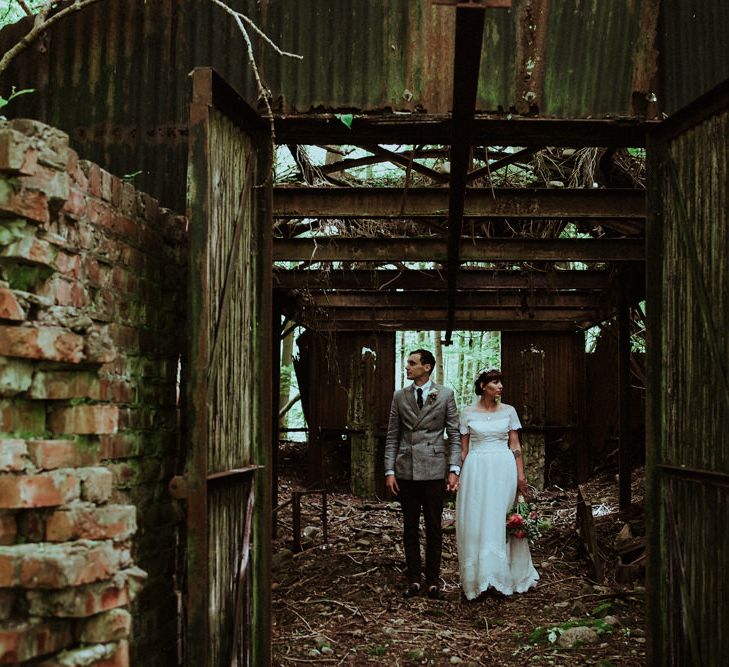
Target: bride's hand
point(522, 486)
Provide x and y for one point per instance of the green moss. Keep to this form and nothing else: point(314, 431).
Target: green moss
point(12, 230)
point(24, 277)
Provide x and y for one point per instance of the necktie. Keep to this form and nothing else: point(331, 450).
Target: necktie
point(420, 397)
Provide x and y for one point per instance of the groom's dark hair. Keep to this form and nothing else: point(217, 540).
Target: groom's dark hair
point(426, 357)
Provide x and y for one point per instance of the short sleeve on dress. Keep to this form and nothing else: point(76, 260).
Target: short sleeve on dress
point(514, 423)
point(463, 423)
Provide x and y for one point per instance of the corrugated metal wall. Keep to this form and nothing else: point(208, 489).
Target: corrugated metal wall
point(330, 377)
point(115, 75)
point(692, 44)
point(564, 393)
point(688, 446)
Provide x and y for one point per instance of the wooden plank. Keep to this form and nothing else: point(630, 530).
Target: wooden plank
point(489, 130)
point(432, 249)
point(586, 531)
point(502, 203)
point(428, 300)
point(411, 279)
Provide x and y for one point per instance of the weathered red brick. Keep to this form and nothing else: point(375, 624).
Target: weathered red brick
point(65, 293)
point(105, 627)
point(70, 265)
point(30, 204)
point(120, 446)
point(84, 419)
point(98, 213)
point(99, 348)
point(19, 416)
point(42, 490)
point(88, 599)
point(53, 183)
point(59, 565)
point(75, 206)
point(13, 455)
point(107, 185)
point(30, 250)
point(8, 528)
point(15, 376)
point(17, 155)
point(93, 174)
point(10, 309)
point(55, 385)
point(88, 522)
point(116, 391)
point(52, 454)
point(51, 343)
point(7, 602)
point(27, 639)
point(96, 484)
point(98, 655)
point(124, 226)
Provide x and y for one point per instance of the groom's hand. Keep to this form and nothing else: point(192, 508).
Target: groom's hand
point(391, 484)
point(452, 482)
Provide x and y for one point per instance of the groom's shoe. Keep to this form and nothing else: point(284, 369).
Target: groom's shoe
point(434, 593)
point(412, 590)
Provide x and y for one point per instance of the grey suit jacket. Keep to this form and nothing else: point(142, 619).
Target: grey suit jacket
point(415, 447)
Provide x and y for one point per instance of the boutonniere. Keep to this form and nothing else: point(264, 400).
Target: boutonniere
point(432, 395)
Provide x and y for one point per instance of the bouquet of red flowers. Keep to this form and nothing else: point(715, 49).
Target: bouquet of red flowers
point(522, 521)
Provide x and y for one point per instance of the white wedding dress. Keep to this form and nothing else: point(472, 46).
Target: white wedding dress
point(487, 492)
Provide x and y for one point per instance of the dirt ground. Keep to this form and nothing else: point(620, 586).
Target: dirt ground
point(342, 603)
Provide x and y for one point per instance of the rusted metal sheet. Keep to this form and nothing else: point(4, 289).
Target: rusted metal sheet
point(294, 202)
point(114, 75)
point(564, 389)
point(691, 44)
point(229, 392)
point(688, 370)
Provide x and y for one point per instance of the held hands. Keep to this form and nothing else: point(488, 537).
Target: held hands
point(453, 482)
point(391, 485)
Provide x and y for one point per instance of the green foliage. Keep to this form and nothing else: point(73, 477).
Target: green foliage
point(551, 633)
point(346, 118)
point(378, 650)
point(13, 94)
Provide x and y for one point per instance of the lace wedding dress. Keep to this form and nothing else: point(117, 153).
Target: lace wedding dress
point(487, 492)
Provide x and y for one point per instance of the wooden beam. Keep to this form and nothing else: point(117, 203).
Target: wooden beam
point(489, 130)
point(432, 249)
point(540, 203)
point(522, 301)
point(410, 323)
point(411, 279)
point(405, 163)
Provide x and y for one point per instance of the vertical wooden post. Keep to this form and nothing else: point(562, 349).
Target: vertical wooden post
point(624, 471)
point(275, 401)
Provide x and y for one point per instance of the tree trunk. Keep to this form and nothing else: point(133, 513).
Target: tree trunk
point(438, 357)
point(287, 350)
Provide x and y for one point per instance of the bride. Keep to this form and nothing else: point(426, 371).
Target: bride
point(492, 472)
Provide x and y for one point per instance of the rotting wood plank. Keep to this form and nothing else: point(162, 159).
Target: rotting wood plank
point(489, 130)
point(477, 250)
point(427, 300)
point(370, 324)
point(501, 203)
point(468, 279)
point(476, 314)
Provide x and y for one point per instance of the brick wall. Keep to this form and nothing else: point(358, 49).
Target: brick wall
point(91, 294)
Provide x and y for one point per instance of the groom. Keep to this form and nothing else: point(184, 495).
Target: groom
point(415, 465)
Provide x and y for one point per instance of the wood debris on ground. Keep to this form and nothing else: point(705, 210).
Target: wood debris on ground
point(342, 603)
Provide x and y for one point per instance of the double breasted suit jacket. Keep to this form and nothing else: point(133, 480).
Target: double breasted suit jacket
point(416, 447)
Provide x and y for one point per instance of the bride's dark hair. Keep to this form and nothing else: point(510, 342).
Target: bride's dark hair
point(487, 376)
